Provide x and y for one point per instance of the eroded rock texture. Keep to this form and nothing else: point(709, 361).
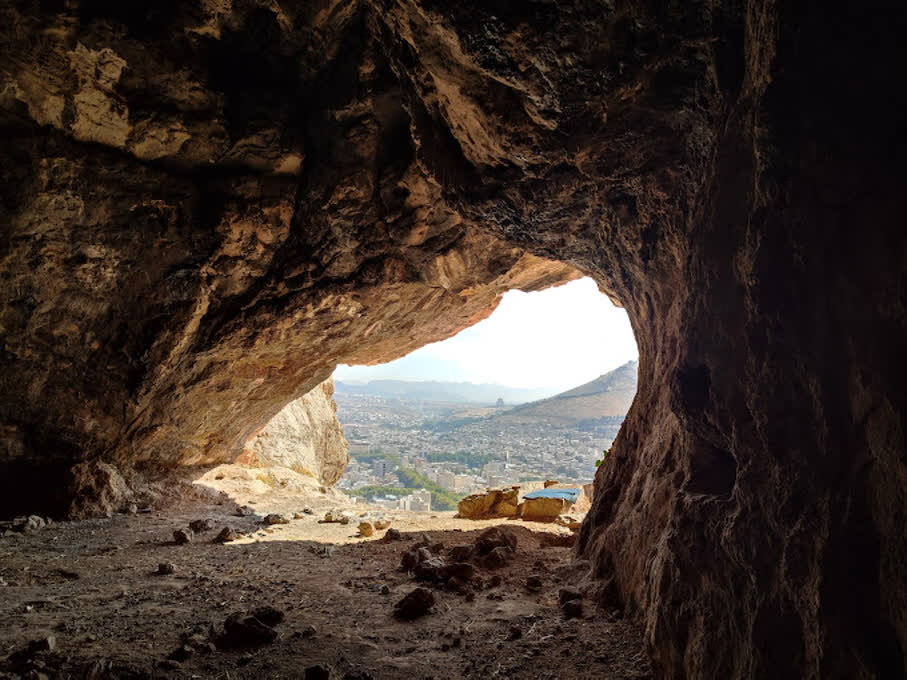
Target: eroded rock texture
point(305, 437)
point(205, 208)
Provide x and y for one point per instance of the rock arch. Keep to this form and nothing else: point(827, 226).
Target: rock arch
point(204, 210)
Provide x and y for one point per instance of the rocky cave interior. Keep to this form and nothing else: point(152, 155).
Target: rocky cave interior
point(208, 205)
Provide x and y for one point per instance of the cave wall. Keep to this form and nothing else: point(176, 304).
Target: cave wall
point(305, 436)
point(206, 208)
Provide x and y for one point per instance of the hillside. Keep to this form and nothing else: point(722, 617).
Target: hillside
point(439, 391)
point(609, 395)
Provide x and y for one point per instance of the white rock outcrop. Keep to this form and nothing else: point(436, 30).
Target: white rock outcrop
point(305, 437)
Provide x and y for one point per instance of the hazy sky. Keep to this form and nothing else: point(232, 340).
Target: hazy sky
point(558, 338)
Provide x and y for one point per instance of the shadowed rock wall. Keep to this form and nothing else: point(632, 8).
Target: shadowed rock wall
point(206, 208)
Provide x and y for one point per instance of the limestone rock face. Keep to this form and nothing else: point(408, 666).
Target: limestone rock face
point(304, 436)
point(206, 207)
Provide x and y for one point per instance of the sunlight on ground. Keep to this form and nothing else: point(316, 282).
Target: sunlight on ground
point(283, 491)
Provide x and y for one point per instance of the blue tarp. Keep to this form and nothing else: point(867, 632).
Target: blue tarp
point(570, 495)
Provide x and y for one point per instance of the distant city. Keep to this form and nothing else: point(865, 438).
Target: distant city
point(422, 455)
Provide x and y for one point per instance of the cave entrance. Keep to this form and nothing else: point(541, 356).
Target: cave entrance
point(535, 392)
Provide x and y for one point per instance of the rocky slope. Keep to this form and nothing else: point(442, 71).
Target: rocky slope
point(610, 394)
point(305, 436)
point(205, 207)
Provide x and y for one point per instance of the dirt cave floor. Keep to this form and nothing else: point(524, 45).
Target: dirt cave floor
point(85, 600)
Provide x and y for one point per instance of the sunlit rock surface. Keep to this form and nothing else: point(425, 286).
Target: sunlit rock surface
point(207, 206)
point(305, 437)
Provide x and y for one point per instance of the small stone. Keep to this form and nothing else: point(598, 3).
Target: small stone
point(567, 594)
point(276, 518)
point(268, 615)
point(298, 515)
point(182, 536)
point(33, 523)
point(385, 589)
point(366, 529)
point(393, 535)
point(166, 568)
point(181, 653)
point(243, 511)
point(533, 584)
point(242, 630)
point(498, 557)
point(515, 632)
point(415, 604)
point(308, 632)
point(48, 643)
point(133, 509)
point(382, 524)
point(573, 609)
point(308, 511)
point(318, 672)
point(226, 535)
point(460, 553)
point(200, 526)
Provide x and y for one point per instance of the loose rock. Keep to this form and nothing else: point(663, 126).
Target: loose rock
point(166, 568)
point(276, 518)
point(366, 529)
point(201, 525)
point(318, 672)
point(415, 604)
point(243, 630)
point(226, 535)
point(182, 536)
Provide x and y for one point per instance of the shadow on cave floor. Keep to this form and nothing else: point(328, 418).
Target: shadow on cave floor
point(93, 585)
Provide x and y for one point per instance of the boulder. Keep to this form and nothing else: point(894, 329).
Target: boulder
point(543, 509)
point(492, 503)
point(478, 505)
point(366, 529)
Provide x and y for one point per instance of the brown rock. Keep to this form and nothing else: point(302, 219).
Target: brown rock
point(416, 603)
point(244, 630)
point(200, 526)
point(183, 536)
point(366, 529)
point(226, 535)
point(493, 538)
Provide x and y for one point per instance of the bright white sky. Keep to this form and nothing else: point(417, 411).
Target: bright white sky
point(558, 338)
